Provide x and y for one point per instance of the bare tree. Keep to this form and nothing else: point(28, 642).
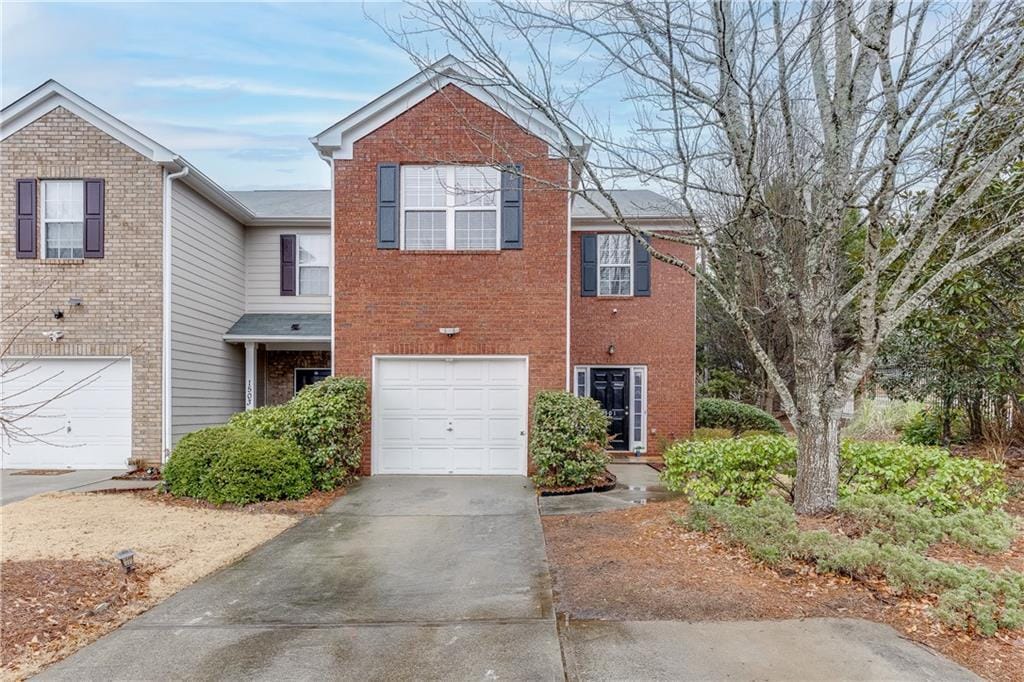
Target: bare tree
point(811, 123)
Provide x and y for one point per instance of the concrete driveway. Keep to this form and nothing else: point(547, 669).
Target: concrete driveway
point(16, 485)
point(403, 578)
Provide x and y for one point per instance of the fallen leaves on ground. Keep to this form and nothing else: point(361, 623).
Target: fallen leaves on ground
point(639, 564)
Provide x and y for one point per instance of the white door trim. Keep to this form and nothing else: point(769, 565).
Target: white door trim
point(374, 416)
point(633, 370)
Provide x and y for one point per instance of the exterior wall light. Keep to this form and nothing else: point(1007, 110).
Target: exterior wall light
point(127, 559)
point(449, 331)
point(611, 349)
point(74, 302)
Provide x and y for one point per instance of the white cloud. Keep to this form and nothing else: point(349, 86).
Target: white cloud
point(218, 84)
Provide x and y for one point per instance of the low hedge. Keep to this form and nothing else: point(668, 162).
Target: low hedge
point(568, 439)
point(325, 420)
point(718, 413)
point(746, 469)
point(227, 464)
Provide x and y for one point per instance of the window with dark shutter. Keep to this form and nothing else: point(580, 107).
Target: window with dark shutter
point(93, 215)
point(288, 264)
point(25, 219)
point(512, 208)
point(387, 206)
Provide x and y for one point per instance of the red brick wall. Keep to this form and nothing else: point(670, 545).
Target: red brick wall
point(656, 330)
point(506, 302)
point(281, 366)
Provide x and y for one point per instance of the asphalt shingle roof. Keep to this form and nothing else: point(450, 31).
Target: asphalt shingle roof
point(280, 325)
point(634, 203)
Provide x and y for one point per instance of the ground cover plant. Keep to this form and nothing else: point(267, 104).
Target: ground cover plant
point(892, 540)
point(567, 439)
point(881, 419)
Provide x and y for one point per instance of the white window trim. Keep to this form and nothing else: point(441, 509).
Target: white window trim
point(44, 221)
point(450, 209)
point(299, 266)
point(583, 372)
point(629, 264)
point(295, 375)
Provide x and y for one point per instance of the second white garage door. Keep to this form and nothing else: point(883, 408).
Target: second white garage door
point(449, 415)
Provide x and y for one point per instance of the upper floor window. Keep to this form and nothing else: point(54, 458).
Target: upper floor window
point(614, 265)
point(314, 273)
point(63, 219)
point(450, 207)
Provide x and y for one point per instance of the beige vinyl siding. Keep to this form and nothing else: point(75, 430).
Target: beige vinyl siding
point(208, 296)
point(263, 274)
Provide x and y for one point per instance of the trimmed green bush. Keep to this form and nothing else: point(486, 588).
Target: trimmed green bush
point(325, 420)
point(568, 439)
point(192, 457)
point(749, 467)
point(768, 529)
point(717, 413)
point(925, 428)
point(257, 469)
point(744, 469)
point(227, 464)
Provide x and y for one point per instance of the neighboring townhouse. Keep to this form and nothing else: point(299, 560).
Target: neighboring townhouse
point(142, 301)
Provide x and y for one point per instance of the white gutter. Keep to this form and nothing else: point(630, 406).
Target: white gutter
point(165, 370)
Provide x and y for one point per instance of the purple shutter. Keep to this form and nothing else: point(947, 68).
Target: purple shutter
point(25, 219)
point(93, 216)
point(288, 260)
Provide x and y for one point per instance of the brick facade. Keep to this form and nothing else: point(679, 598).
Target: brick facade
point(657, 331)
point(281, 366)
point(121, 293)
point(505, 302)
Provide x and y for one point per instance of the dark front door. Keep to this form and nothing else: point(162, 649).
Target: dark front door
point(610, 387)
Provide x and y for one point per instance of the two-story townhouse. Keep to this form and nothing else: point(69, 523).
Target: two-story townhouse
point(447, 265)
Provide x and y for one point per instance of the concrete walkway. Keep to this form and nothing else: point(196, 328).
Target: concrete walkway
point(637, 484)
point(16, 485)
point(402, 578)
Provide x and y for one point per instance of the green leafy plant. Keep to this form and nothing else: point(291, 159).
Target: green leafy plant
point(228, 464)
point(710, 434)
point(920, 475)
point(568, 439)
point(881, 419)
point(894, 537)
point(255, 469)
point(326, 420)
point(717, 413)
point(925, 428)
point(743, 469)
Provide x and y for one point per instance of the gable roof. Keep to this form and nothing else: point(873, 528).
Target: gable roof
point(289, 204)
point(51, 94)
point(633, 203)
point(337, 140)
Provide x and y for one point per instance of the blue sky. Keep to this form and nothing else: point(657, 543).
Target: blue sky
point(235, 88)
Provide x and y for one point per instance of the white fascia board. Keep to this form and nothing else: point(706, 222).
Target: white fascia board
point(236, 338)
point(291, 221)
point(51, 94)
point(338, 140)
point(660, 224)
point(222, 199)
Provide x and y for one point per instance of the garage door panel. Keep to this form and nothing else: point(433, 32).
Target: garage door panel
point(469, 415)
point(83, 416)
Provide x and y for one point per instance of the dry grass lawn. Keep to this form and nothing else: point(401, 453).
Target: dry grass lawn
point(44, 539)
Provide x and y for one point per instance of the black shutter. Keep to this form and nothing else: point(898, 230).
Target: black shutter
point(93, 215)
point(288, 260)
point(589, 266)
point(25, 219)
point(512, 208)
point(387, 205)
point(641, 267)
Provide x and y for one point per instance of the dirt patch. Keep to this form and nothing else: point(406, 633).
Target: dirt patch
point(638, 564)
point(602, 483)
point(150, 474)
point(42, 472)
point(314, 503)
point(58, 534)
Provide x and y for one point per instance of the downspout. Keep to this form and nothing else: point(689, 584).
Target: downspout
point(165, 370)
point(568, 280)
point(329, 160)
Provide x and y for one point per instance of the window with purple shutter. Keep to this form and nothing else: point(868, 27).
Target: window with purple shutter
point(93, 218)
point(288, 264)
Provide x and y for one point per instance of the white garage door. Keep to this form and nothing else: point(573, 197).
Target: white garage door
point(79, 413)
point(449, 416)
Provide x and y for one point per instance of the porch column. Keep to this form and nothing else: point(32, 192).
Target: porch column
point(250, 375)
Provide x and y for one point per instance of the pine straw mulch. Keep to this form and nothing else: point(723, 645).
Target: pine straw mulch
point(51, 606)
point(638, 564)
point(312, 504)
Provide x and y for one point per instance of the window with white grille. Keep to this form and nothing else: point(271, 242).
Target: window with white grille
point(450, 208)
point(614, 265)
point(314, 270)
point(63, 218)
